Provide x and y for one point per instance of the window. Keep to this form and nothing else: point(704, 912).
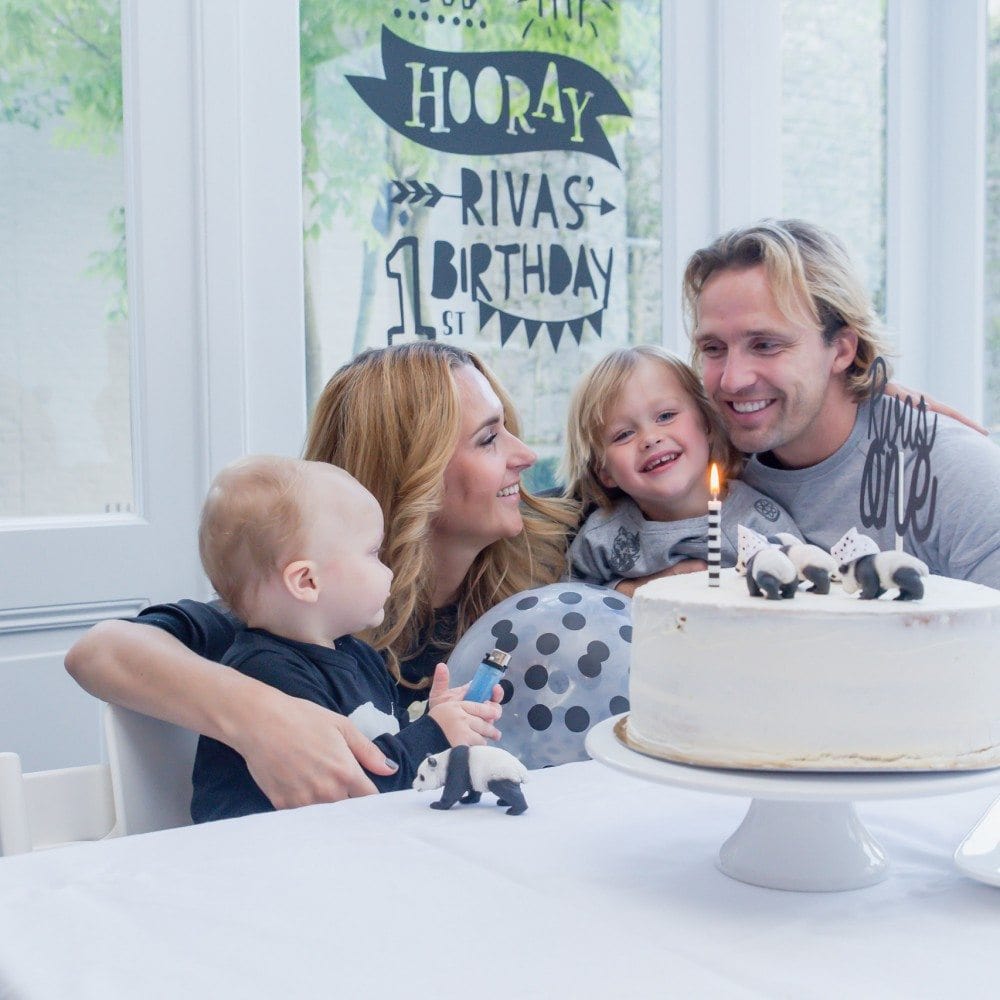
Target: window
point(65, 427)
point(501, 192)
point(833, 139)
point(992, 262)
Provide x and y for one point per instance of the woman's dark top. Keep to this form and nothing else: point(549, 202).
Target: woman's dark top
point(209, 630)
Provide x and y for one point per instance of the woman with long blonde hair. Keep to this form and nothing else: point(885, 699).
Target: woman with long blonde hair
point(430, 432)
point(436, 423)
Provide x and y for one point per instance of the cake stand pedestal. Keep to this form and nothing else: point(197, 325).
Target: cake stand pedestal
point(801, 831)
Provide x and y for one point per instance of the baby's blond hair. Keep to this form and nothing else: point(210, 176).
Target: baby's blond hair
point(251, 524)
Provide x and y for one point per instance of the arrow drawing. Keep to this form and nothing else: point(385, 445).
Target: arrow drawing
point(413, 193)
point(605, 206)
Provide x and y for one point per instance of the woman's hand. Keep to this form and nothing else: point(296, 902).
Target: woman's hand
point(898, 391)
point(301, 753)
point(629, 587)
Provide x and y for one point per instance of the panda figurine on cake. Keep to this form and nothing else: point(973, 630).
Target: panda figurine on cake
point(771, 573)
point(812, 564)
point(466, 772)
point(879, 572)
point(768, 569)
point(865, 568)
point(774, 567)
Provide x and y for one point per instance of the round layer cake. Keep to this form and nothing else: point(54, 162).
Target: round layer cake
point(816, 682)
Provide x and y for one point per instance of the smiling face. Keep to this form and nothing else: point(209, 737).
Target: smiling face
point(482, 480)
point(773, 378)
point(656, 445)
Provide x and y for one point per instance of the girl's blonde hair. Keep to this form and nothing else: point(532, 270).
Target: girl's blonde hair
point(594, 397)
point(391, 418)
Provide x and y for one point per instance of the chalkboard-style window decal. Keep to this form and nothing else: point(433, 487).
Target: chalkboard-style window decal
point(487, 171)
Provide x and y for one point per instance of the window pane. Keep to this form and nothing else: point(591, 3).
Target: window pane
point(477, 197)
point(833, 124)
point(65, 433)
point(992, 310)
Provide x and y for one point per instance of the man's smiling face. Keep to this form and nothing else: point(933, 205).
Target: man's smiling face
point(771, 377)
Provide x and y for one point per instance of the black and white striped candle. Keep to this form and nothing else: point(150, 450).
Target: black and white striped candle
point(714, 529)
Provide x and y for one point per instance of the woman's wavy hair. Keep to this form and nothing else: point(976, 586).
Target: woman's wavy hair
point(810, 273)
point(391, 418)
point(594, 397)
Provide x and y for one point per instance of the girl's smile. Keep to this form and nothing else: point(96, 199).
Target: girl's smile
point(656, 445)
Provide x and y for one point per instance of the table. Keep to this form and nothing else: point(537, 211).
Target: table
point(606, 887)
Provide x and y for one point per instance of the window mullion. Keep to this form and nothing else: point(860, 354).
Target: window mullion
point(936, 175)
point(748, 49)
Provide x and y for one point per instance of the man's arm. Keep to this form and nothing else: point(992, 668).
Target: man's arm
point(628, 587)
point(298, 752)
point(901, 392)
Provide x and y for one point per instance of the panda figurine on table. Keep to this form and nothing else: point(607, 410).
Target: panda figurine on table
point(466, 772)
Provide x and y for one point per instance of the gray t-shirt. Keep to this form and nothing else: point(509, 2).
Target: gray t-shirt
point(620, 544)
point(963, 539)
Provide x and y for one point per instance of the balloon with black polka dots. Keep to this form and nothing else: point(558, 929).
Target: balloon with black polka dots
point(569, 654)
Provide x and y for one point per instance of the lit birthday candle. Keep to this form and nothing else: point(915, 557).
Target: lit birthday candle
point(714, 529)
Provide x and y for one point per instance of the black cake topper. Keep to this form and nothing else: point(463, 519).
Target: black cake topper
point(895, 425)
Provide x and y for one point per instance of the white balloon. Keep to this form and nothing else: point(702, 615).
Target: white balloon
point(569, 654)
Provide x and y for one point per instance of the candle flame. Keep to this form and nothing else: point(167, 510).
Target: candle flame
point(713, 481)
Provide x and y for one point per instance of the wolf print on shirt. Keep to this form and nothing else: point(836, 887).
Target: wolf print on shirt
point(625, 550)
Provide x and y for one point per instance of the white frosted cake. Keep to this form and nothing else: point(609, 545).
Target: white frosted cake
point(817, 682)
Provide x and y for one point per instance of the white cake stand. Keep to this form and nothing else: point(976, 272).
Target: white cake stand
point(802, 831)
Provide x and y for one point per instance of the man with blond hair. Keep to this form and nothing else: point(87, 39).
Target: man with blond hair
point(786, 339)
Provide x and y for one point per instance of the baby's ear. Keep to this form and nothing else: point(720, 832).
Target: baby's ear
point(301, 581)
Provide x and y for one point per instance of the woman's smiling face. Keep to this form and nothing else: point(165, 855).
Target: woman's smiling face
point(482, 480)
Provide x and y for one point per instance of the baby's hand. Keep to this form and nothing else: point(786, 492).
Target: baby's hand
point(467, 721)
point(462, 721)
point(441, 693)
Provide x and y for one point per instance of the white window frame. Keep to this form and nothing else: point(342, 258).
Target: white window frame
point(251, 188)
point(722, 166)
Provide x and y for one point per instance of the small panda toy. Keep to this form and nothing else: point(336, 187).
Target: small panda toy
point(771, 573)
point(875, 573)
point(466, 772)
point(813, 564)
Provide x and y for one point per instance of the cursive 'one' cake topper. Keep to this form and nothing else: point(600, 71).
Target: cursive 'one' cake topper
point(895, 425)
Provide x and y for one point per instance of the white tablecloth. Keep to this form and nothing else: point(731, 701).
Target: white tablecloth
point(606, 887)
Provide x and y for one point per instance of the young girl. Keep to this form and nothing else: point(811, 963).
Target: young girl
point(640, 439)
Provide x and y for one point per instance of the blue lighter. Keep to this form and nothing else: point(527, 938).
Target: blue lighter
point(487, 674)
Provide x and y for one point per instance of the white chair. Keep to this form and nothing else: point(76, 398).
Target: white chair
point(150, 765)
point(44, 809)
